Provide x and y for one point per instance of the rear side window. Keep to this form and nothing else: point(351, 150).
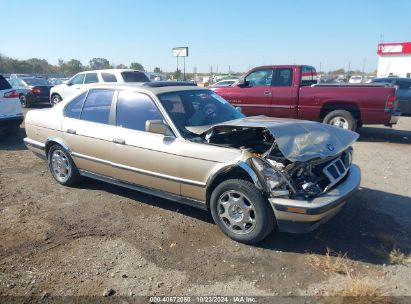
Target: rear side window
point(108, 77)
point(283, 77)
point(4, 84)
point(308, 76)
point(73, 109)
point(91, 78)
point(97, 106)
point(134, 109)
point(134, 77)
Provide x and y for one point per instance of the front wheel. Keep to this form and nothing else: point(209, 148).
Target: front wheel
point(62, 166)
point(241, 211)
point(342, 119)
point(55, 99)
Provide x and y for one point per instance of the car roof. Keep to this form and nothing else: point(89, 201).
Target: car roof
point(112, 71)
point(144, 88)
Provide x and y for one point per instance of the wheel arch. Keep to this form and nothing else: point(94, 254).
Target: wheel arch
point(55, 140)
point(333, 105)
point(237, 170)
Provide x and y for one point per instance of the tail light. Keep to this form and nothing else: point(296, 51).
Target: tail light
point(35, 90)
point(11, 94)
point(390, 102)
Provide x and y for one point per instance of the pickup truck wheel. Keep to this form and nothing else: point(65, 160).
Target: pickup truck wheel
point(241, 211)
point(342, 119)
point(62, 166)
point(55, 99)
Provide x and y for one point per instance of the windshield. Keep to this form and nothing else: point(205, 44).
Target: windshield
point(197, 108)
point(36, 81)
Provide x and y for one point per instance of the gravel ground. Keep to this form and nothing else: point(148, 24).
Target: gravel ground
point(86, 239)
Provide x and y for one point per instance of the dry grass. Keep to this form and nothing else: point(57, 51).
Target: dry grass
point(331, 262)
point(397, 257)
point(360, 287)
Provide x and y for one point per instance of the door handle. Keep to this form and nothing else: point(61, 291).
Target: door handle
point(71, 131)
point(119, 141)
point(267, 93)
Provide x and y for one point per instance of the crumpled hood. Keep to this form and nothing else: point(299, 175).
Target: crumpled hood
point(298, 140)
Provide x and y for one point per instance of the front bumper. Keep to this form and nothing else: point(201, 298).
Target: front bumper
point(298, 216)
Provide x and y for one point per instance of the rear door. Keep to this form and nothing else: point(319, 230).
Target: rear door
point(284, 93)
point(255, 96)
point(87, 130)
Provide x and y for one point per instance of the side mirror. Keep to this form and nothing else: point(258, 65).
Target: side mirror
point(158, 127)
point(242, 83)
point(69, 83)
point(238, 109)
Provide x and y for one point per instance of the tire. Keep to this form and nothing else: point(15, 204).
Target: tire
point(24, 102)
point(55, 99)
point(231, 217)
point(342, 119)
point(62, 167)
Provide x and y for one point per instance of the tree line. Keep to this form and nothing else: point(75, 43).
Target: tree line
point(67, 68)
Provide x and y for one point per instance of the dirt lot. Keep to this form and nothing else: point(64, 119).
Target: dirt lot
point(80, 241)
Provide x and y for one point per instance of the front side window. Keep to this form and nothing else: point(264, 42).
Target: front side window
point(91, 78)
point(134, 109)
point(73, 109)
point(197, 108)
point(108, 77)
point(260, 78)
point(77, 79)
point(97, 106)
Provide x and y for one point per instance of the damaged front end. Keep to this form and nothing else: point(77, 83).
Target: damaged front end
point(293, 159)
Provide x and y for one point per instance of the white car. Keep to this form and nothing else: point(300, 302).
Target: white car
point(11, 114)
point(78, 81)
point(224, 83)
point(356, 79)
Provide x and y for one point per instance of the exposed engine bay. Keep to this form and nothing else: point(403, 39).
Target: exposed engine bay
point(301, 180)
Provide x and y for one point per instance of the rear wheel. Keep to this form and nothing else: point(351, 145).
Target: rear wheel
point(62, 166)
point(342, 119)
point(241, 211)
point(24, 102)
point(55, 99)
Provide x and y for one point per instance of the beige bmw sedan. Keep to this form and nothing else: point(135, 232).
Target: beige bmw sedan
point(189, 145)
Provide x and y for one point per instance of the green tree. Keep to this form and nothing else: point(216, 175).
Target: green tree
point(177, 74)
point(121, 66)
point(99, 64)
point(157, 70)
point(137, 66)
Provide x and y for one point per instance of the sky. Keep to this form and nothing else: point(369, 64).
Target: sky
point(236, 34)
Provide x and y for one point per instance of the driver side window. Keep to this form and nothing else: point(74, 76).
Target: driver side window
point(260, 78)
point(77, 79)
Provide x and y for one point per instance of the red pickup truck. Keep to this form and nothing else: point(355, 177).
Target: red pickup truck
point(291, 91)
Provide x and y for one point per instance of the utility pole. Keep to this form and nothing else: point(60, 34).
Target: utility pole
point(348, 71)
point(363, 66)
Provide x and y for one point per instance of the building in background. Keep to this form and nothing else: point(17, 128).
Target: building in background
point(394, 59)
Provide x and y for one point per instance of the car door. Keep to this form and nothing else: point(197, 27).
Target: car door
point(255, 96)
point(284, 94)
point(139, 157)
point(87, 131)
point(74, 85)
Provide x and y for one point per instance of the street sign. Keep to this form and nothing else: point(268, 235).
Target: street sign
point(180, 52)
